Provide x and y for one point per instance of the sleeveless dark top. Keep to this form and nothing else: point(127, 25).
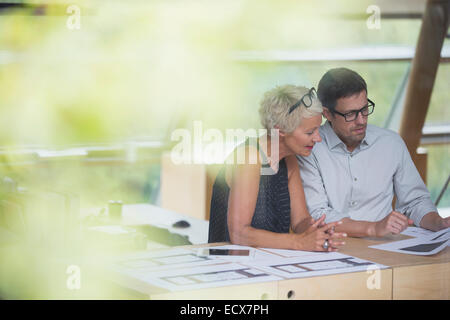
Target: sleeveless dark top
point(272, 211)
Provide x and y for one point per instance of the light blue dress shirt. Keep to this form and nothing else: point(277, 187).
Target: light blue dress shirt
point(361, 184)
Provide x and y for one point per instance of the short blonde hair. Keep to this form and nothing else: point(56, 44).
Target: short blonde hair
point(275, 105)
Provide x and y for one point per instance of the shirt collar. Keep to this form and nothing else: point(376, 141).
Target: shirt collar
point(331, 137)
point(333, 140)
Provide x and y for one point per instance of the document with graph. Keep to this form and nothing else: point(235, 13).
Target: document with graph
point(422, 245)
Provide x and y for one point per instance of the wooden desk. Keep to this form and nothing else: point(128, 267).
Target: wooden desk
point(408, 277)
point(413, 277)
point(348, 286)
point(256, 291)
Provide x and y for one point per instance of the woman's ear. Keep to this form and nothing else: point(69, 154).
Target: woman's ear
point(281, 133)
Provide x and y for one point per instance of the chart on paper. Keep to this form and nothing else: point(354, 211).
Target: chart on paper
point(207, 277)
point(424, 244)
point(323, 264)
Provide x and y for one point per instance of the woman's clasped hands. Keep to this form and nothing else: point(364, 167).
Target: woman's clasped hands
point(321, 236)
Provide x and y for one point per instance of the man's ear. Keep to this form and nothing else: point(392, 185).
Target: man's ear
point(327, 114)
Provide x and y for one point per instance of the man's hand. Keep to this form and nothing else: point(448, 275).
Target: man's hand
point(394, 223)
point(433, 221)
point(445, 223)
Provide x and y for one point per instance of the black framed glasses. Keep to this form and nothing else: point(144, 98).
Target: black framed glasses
point(307, 100)
point(352, 115)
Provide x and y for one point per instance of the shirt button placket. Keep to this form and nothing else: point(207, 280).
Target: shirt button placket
point(352, 202)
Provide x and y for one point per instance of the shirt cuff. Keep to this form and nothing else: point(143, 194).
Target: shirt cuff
point(418, 213)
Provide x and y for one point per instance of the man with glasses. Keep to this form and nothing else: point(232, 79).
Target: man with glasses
point(354, 173)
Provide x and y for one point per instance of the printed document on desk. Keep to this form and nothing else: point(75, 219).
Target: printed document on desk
point(144, 262)
point(209, 276)
point(423, 245)
point(417, 232)
point(303, 264)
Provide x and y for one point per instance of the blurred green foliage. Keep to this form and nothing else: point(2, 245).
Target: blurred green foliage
point(138, 68)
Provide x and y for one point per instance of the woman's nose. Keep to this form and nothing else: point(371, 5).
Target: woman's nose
point(317, 137)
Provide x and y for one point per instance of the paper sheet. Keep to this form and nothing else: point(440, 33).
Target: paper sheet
point(417, 232)
point(422, 245)
point(206, 277)
point(145, 262)
point(303, 264)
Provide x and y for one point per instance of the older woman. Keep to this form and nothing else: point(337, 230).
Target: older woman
point(253, 206)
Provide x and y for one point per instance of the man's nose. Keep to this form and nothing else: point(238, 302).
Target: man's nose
point(360, 119)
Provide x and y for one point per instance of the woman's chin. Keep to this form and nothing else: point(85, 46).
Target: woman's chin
point(305, 152)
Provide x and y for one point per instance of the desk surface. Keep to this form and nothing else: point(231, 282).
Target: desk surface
point(409, 282)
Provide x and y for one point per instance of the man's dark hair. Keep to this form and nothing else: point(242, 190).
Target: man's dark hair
point(339, 83)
